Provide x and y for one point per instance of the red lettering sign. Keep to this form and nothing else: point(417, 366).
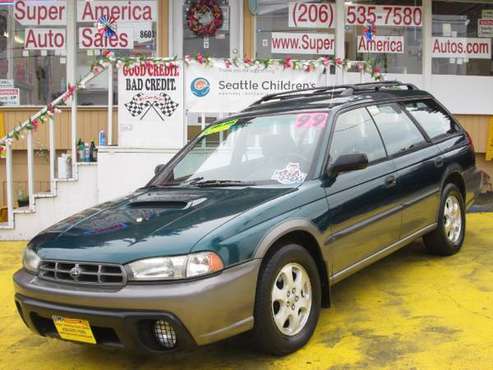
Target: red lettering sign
point(51, 13)
point(44, 39)
point(90, 38)
point(152, 70)
point(131, 10)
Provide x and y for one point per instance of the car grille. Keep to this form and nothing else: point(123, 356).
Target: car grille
point(83, 273)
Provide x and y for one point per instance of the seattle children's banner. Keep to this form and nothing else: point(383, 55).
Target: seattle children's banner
point(151, 106)
point(213, 89)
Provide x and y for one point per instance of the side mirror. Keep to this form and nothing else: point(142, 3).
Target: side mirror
point(349, 162)
point(158, 168)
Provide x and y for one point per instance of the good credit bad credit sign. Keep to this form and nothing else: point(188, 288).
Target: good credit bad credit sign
point(151, 106)
point(220, 89)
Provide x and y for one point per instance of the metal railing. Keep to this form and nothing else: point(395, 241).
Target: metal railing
point(7, 141)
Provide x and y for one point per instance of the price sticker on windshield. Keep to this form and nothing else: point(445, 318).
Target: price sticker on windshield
point(222, 126)
point(315, 119)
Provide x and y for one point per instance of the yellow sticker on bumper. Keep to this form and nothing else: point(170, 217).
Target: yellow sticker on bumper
point(74, 329)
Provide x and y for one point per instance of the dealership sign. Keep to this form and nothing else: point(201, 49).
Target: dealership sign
point(302, 43)
point(381, 44)
point(121, 11)
point(151, 106)
point(384, 15)
point(461, 47)
point(133, 19)
point(44, 39)
point(90, 38)
point(41, 13)
point(311, 15)
point(322, 15)
point(217, 89)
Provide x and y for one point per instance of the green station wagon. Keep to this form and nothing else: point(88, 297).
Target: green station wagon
point(248, 227)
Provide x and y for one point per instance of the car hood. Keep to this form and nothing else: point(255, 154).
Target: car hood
point(148, 223)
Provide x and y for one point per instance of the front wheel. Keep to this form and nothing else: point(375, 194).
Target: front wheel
point(448, 237)
point(288, 300)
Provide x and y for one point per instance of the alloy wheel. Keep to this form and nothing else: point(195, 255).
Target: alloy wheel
point(291, 299)
point(452, 218)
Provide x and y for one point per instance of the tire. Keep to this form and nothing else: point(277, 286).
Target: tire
point(271, 304)
point(448, 237)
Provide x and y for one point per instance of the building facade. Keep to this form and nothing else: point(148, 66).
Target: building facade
point(442, 46)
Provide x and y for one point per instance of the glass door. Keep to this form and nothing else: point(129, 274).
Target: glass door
point(225, 42)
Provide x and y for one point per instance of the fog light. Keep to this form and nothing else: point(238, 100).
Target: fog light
point(165, 334)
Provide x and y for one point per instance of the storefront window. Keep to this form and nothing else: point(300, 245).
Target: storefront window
point(4, 65)
point(136, 36)
point(462, 37)
point(215, 45)
point(32, 52)
point(386, 32)
point(301, 30)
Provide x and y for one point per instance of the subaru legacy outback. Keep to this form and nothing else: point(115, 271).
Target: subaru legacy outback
point(248, 227)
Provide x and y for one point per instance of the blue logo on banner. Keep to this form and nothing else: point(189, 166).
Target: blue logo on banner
point(200, 87)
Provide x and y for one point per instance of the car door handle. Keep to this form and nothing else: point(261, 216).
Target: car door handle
point(390, 181)
point(438, 162)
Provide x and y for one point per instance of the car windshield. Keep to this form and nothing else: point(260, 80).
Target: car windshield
point(274, 149)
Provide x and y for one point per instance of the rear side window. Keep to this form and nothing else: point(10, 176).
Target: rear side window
point(355, 133)
point(399, 132)
point(434, 120)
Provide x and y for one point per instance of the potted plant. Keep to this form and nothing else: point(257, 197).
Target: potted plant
point(22, 199)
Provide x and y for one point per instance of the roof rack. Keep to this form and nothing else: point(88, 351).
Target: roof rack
point(337, 90)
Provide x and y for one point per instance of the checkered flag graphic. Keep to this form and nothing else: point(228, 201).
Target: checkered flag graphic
point(166, 106)
point(134, 107)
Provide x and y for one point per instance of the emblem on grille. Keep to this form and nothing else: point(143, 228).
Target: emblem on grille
point(75, 272)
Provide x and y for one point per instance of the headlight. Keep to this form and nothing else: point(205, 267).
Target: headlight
point(172, 268)
point(31, 260)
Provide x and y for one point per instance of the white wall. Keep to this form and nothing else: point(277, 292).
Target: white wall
point(460, 94)
point(122, 170)
point(71, 197)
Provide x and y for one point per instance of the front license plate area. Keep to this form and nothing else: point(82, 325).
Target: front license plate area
point(74, 329)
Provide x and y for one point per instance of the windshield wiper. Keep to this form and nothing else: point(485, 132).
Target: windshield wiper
point(205, 183)
point(193, 181)
point(161, 186)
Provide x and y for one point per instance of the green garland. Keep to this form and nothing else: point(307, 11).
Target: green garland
point(108, 58)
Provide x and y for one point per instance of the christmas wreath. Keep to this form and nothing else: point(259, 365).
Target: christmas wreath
point(204, 17)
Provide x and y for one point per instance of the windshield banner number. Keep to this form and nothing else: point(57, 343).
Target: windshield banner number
point(316, 119)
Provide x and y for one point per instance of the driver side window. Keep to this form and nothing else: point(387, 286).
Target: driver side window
point(354, 133)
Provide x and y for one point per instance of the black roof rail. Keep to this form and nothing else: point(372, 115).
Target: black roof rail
point(340, 90)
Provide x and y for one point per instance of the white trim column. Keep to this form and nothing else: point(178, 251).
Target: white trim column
point(10, 43)
point(110, 106)
point(175, 26)
point(340, 38)
point(237, 44)
point(72, 77)
point(427, 36)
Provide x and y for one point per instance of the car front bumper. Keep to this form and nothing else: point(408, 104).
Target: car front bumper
point(201, 311)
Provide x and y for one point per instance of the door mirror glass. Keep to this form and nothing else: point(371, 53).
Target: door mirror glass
point(349, 162)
